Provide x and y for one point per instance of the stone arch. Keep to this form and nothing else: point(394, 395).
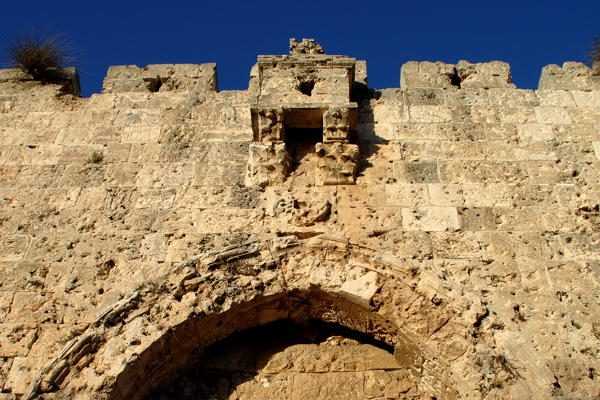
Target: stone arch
point(183, 345)
point(440, 331)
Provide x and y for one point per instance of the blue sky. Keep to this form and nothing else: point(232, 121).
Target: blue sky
point(526, 34)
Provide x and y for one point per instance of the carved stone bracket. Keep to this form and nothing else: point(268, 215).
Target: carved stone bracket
point(268, 164)
point(335, 125)
point(270, 125)
point(337, 163)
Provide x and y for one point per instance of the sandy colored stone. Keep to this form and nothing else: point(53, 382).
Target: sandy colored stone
point(453, 238)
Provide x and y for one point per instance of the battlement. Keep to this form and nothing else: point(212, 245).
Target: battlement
point(572, 76)
point(495, 74)
point(161, 78)
point(336, 71)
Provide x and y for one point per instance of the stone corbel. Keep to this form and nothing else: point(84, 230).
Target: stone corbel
point(270, 125)
point(337, 163)
point(269, 164)
point(335, 125)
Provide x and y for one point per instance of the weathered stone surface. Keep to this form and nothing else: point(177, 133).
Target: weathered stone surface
point(447, 231)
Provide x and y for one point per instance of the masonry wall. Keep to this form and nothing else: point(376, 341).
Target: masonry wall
point(461, 175)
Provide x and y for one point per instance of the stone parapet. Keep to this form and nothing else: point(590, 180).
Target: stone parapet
point(62, 81)
point(495, 74)
point(572, 76)
point(161, 78)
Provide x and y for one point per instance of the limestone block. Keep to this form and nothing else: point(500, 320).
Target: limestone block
point(416, 172)
point(498, 151)
point(538, 377)
point(495, 74)
point(581, 247)
point(430, 219)
point(427, 113)
point(572, 276)
point(584, 115)
point(408, 245)
point(516, 115)
point(334, 387)
point(456, 245)
point(552, 115)
point(86, 175)
point(586, 98)
point(540, 246)
point(413, 131)
point(10, 222)
point(535, 132)
point(35, 176)
point(80, 154)
point(372, 196)
point(122, 174)
point(492, 275)
point(161, 77)
point(556, 98)
point(445, 194)
point(551, 172)
point(17, 338)
point(362, 289)
point(384, 384)
point(573, 374)
point(220, 174)
point(488, 172)
point(417, 150)
point(572, 76)
point(467, 96)
point(22, 372)
point(174, 175)
point(161, 198)
point(499, 245)
point(510, 98)
point(141, 134)
point(419, 96)
point(13, 247)
point(407, 195)
point(426, 75)
point(521, 219)
point(476, 219)
point(462, 150)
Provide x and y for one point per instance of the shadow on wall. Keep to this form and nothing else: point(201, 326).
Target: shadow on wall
point(317, 359)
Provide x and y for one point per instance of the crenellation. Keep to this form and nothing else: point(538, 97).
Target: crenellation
point(161, 78)
point(454, 221)
point(571, 76)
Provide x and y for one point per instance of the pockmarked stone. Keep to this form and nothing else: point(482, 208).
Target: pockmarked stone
point(310, 237)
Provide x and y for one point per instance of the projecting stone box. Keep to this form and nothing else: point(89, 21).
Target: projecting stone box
point(303, 100)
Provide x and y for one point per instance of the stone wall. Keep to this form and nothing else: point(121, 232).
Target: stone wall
point(469, 243)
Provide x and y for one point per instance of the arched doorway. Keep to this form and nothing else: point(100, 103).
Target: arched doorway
point(286, 346)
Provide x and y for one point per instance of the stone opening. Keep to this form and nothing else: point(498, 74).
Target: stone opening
point(300, 144)
point(307, 87)
point(455, 80)
point(183, 346)
point(303, 130)
point(286, 360)
point(154, 84)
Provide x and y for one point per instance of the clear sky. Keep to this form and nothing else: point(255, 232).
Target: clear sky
point(528, 34)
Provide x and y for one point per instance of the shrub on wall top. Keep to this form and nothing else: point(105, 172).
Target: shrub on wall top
point(42, 55)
